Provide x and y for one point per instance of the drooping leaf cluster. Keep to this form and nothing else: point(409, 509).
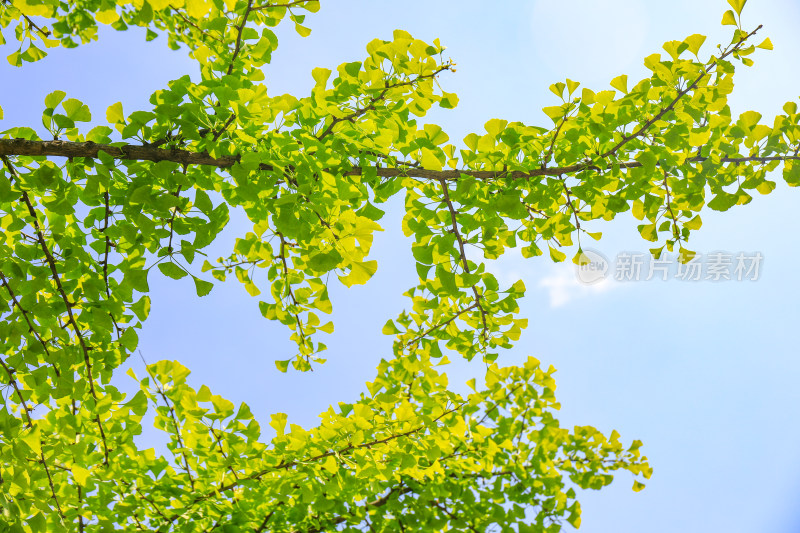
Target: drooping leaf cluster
point(89, 217)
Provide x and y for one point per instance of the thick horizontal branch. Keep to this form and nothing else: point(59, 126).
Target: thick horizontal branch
point(128, 152)
point(133, 152)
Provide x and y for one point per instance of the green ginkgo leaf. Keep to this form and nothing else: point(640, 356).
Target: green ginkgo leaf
point(171, 270)
point(360, 273)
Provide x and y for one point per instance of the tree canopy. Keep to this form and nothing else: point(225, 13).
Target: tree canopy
point(87, 215)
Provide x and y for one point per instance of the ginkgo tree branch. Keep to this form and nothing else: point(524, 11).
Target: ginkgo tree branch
point(126, 152)
point(669, 107)
point(288, 286)
point(52, 488)
point(441, 324)
point(43, 32)
point(552, 146)
point(13, 382)
point(395, 491)
point(176, 425)
point(402, 488)
point(51, 262)
point(255, 476)
point(134, 152)
point(288, 465)
point(25, 314)
point(286, 5)
point(464, 261)
point(190, 22)
point(240, 31)
point(668, 204)
point(128, 485)
point(370, 105)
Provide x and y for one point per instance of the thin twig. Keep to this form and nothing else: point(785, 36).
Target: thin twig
point(463, 253)
point(238, 46)
point(675, 233)
point(441, 324)
point(275, 6)
point(175, 210)
point(42, 31)
point(190, 22)
point(22, 401)
point(290, 292)
point(177, 427)
point(105, 258)
point(549, 153)
point(24, 313)
point(375, 99)
point(313, 459)
point(71, 318)
point(644, 127)
point(224, 127)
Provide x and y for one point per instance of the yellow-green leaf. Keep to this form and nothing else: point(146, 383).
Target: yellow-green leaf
point(557, 255)
point(684, 255)
point(360, 273)
point(729, 18)
point(694, 42)
point(107, 17)
point(737, 5)
point(197, 9)
point(278, 423)
point(766, 44)
point(32, 437)
point(694, 223)
point(620, 83)
point(554, 112)
point(80, 474)
point(766, 187)
point(114, 113)
point(321, 75)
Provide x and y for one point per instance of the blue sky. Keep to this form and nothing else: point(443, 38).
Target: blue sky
point(704, 373)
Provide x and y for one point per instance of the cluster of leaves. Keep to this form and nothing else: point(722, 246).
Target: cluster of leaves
point(153, 188)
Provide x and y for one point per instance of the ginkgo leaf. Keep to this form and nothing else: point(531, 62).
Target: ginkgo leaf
point(107, 17)
point(737, 5)
point(729, 18)
point(197, 9)
point(766, 44)
point(278, 422)
point(620, 83)
point(80, 475)
point(695, 41)
point(172, 270)
point(33, 438)
point(203, 287)
point(360, 273)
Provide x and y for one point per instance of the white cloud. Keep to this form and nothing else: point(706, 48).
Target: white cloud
point(560, 279)
point(564, 286)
